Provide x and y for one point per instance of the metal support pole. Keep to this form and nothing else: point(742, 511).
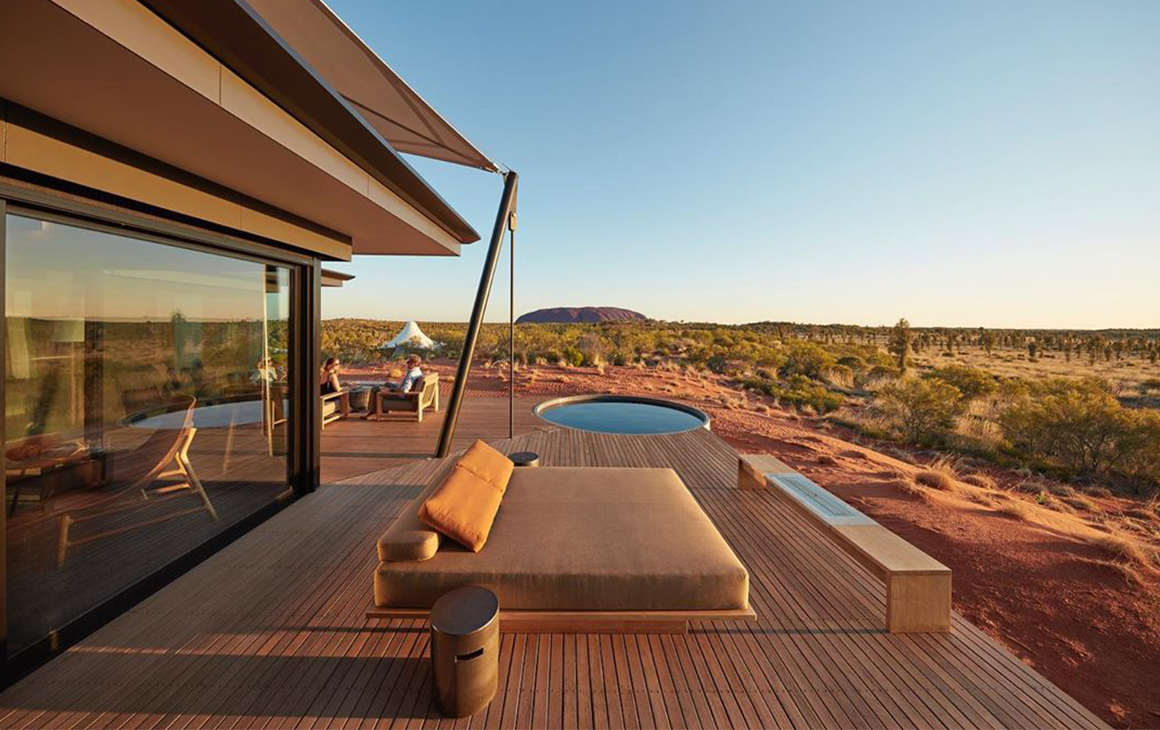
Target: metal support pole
point(506, 203)
point(512, 327)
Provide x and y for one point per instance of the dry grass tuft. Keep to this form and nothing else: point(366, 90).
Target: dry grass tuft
point(762, 408)
point(1125, 548)
point(854, 454)
point(1081, 503)
point(1099, 491)
point(979, 480)
point(827, 460)
point(907, 486)
point(936, 480)
point(1017, 509)
point(1061, 490)
point(947, 465)
point(1143, 514)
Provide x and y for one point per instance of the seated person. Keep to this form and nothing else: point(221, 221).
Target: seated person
point(412, 374)
point(328, 378)
point(264, 372)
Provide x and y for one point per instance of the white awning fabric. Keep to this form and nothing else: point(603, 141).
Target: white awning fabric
point(411, 336)
point(376, 92)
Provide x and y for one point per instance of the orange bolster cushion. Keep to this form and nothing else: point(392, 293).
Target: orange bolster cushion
point(464, 506)
point(488, 464)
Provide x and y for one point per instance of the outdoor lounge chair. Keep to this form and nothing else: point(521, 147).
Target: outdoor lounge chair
point(335, 405)
point(157, 471)
point(423, 394)
point(576, 549)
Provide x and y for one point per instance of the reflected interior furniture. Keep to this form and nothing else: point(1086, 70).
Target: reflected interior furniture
point(918, 587)
point(335, 405)
point(163, 457)
point(273, 411)
point(424, 393)
point(60, 467)
point(577, 550)
point(464, 650)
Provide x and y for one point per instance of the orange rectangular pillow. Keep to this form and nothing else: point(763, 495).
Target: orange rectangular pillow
point(463, 508)
point(488, 464)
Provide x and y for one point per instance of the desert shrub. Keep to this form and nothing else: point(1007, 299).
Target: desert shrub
point(573, 357)
point(806, 359)
point(591, 349)
point(971, 382)
point(717, 363)
point(841, 376)
point(853, 362)
point(920, 410)
point(1081, 424)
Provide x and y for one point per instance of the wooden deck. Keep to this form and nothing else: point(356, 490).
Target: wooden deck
point(270, 633)
point(353, 446)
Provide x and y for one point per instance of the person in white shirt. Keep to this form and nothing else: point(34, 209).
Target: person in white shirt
point(413, 373)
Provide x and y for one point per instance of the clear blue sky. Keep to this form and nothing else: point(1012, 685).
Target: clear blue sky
point(956, 163)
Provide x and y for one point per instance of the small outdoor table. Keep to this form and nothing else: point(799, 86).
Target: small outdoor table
point(525, 458)
point(465, 650)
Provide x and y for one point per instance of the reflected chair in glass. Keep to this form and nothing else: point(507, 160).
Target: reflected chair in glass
point(164, 456)
point(335, 405)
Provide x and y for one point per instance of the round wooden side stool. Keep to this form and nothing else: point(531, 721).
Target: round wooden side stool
point(525, 458)
point(465, 650)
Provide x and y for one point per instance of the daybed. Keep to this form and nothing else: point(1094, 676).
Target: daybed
point(574, 549)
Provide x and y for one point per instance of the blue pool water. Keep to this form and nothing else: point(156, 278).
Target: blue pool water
point(622, 416)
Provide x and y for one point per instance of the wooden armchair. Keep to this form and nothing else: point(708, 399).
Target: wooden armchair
point(335, 405)
point(423, 394)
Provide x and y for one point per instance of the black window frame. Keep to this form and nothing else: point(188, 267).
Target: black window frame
point(304, 437)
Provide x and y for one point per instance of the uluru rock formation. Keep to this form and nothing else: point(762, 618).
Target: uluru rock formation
point(569, 315)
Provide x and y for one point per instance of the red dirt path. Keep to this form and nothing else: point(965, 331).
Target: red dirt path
point(1057, 603)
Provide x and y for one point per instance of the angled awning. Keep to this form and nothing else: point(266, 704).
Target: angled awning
point(367, 83)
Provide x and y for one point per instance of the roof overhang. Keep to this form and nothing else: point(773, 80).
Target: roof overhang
point(333, 278)
point(237, 108)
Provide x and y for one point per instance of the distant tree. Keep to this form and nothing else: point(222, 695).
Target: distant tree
point(1032, 348)
point(988, 340)
point(899, 343)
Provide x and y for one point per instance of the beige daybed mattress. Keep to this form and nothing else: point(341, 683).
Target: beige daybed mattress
point(584, 539)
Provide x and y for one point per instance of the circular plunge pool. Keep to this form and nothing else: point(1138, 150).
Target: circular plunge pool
point(621, 414)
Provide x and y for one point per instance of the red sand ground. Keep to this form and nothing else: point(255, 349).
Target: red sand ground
point(1057, 603)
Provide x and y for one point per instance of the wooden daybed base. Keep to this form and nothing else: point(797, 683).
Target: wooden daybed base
point(587, 622)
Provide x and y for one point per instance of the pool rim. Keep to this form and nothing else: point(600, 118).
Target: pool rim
point(544, 406)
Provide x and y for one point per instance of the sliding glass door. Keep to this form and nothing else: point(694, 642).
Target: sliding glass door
point(147, 409)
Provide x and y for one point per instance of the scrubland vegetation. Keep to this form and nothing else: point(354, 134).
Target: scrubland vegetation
point(1082, 407)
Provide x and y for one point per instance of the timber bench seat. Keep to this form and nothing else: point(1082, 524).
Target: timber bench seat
point(918, 587)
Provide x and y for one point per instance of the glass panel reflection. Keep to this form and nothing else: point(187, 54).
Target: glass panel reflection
point(145, 410)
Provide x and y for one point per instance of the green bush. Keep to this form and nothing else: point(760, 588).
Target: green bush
point(1082, 425)
point(808, 359)
point(573, 357)
point(921, 410)
point(971, 382)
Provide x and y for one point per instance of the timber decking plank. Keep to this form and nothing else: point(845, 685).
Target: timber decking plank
point(270, 631)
